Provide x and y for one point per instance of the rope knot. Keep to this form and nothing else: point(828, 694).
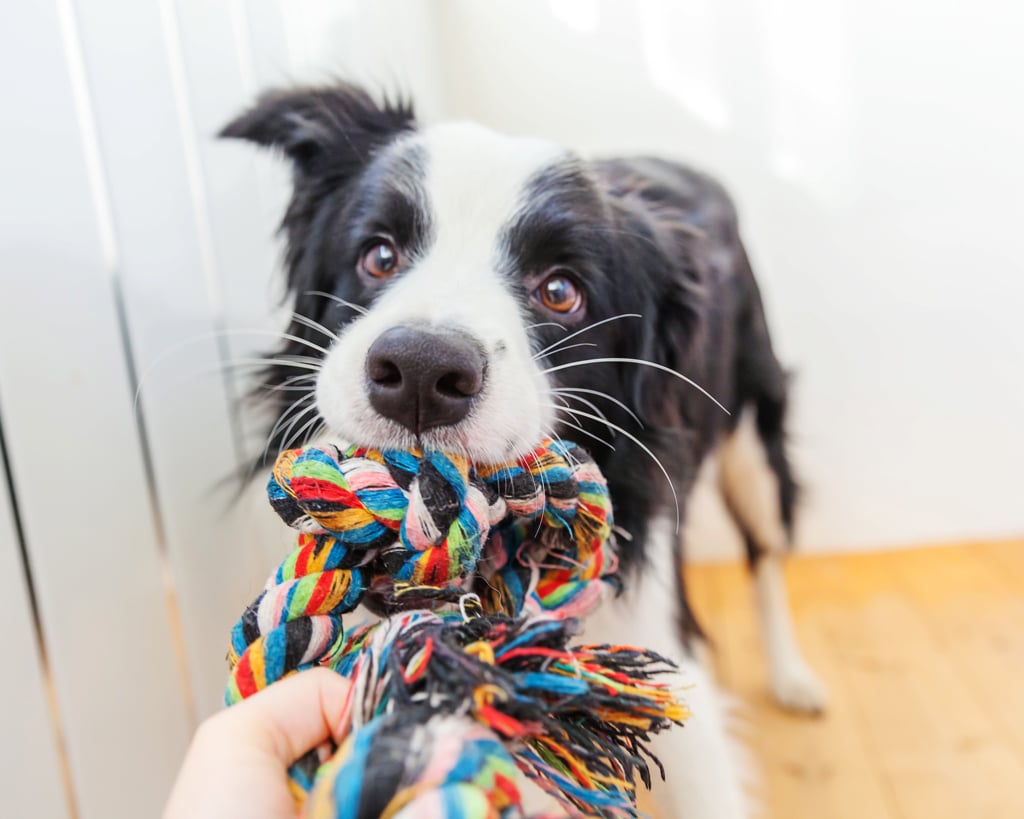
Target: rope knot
point(456, 690)
point(424, 519)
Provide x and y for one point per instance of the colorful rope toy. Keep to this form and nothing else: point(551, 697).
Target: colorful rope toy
point(479, 572)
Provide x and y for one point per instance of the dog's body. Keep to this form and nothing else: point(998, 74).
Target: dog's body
point(472, 291)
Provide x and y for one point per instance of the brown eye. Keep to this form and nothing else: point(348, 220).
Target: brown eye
point(558, 292)
point(380, 259)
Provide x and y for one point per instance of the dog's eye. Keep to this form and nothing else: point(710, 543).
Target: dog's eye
point(559, 293)
point(380, 259)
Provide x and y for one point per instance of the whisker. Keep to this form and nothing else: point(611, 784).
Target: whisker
point(357, 307)
point(287, 435)
point(320, 430)
point(643, 363)
point(302, 435)
point(539, 355)
point(285, 388)
point(300, 377)
point(545, 324)
point(310, 362)
point(586, 329)
point(301, 340)
point(299, 362)
point(211, 336)
point(314, 325)
point(600, 394)
point(643, 446)
point(291, 383)
point(568, 456)
point(586, 432)
point(305, 383)
point(291, 413)
point(561, 420)
point(549, 432)
point(583, 401)
point(256, 364)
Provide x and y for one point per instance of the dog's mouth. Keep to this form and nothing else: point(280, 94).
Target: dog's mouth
point(386, 597)
point(381, 434)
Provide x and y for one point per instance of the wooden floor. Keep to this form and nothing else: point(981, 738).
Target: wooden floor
point(923, 654)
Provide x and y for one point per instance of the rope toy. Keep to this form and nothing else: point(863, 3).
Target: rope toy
point(480, 572)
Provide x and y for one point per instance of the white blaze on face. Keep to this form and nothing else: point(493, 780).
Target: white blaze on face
point(475, 186)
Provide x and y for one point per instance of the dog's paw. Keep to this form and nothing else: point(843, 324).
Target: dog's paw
point(797, 688)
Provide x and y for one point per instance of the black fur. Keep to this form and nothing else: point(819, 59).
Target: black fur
point(661, 240)
point(643, 236)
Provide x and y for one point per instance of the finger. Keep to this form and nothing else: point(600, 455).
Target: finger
point(292, 716)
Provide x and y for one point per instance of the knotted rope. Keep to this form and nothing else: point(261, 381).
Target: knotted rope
point(521, 548)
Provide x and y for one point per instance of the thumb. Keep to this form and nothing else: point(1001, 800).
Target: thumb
point(292, 716)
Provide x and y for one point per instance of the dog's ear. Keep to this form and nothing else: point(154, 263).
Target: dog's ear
point(334, 128)
point(330, 134)
point(671, 337)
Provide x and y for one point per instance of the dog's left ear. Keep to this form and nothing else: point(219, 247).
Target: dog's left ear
point(330, 134)
point(333, 128)
point(671, 337)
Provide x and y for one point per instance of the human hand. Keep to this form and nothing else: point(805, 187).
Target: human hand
point(237, 764)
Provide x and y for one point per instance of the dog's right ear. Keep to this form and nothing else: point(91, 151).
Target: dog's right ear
point(322, 129)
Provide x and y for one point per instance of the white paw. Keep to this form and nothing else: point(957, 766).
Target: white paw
point(797, 688)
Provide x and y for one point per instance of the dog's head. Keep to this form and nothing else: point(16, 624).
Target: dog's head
point(439, 272)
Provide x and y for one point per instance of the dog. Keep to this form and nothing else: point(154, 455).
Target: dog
point(459, 289)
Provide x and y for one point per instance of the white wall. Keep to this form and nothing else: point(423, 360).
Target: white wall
point(136, 250)
point(874, 149)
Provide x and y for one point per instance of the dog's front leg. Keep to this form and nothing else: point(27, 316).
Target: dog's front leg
point(702, 762)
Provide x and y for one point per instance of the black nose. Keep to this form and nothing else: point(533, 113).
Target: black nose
point(423, 379)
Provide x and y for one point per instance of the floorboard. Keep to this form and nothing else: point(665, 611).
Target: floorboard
point(923, 653)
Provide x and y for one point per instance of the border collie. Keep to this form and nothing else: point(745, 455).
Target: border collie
point(459, 289)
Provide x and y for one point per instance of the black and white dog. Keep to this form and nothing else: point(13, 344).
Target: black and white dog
point(465, 290)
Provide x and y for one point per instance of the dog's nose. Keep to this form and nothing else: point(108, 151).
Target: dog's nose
point(423, 379)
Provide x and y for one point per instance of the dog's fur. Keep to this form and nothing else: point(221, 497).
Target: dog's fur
point(479, 220)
